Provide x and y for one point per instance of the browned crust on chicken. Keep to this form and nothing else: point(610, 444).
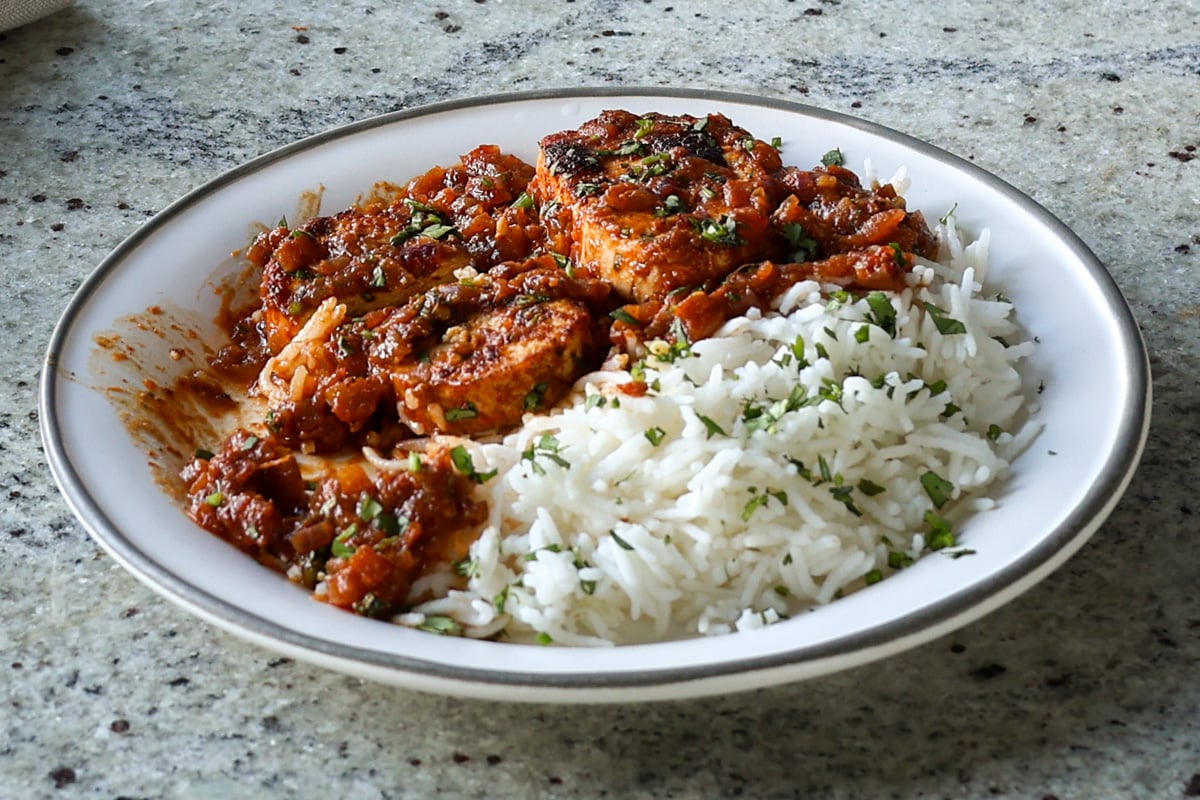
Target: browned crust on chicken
point(654, 203)
point(461, 358)
point(381, 253)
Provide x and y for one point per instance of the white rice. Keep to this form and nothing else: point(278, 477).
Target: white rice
point(721, 523)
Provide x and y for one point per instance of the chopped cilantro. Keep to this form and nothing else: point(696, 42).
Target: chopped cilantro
point(833, 158)
point(465, 464)
point(804, 247)
point(440, 625)
point(940, 534)
point(712, 429)
point(340, 547)
point(621, 543)
point(881, 313)
point(467, 411)
point(718, 231)
point(938, 488)
point(655, 435)
point(946, 326)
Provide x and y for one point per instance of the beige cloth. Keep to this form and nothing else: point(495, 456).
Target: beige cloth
point(21, 12)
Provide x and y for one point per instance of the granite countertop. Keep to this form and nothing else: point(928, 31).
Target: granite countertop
point(1088, 686)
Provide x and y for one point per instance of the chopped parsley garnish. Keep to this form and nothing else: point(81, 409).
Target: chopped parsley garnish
point(500, 600)
point(946, 326)
point(938, 488)
point(621, 315)
point(532, 555)
point(535, 397)
point(870, 488)
point(882, 313)
point(621, 543)
point(758, 500)
point(467, 411)
point(798, 352)
point(340, 547)
point(994, 431)
point(841, 493)
point(378, 278)
point(465, 464)
point(425, 221)
point(655, 435)
point(804, 247)
point(833, 158)
point(711, 428)
point(441, 625)
point(564, 264)
point(547, 447)
point(940, 534)
point(766, 417)
point(718, 231)
point(681, 344)
point(671, 205)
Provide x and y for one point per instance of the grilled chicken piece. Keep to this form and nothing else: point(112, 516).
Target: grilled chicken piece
point(383, 252)
point(461, 358)
point(475, 357)
point(655, 203)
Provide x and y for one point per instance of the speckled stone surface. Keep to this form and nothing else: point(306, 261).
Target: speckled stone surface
point(1086, 687)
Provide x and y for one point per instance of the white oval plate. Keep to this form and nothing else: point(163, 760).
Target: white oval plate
point(1095, 407)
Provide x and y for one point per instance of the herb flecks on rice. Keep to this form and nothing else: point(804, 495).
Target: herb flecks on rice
point(791, 462)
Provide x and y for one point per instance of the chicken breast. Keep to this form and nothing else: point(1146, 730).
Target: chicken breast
point(656, 203)
point(461, 358)
point(473, 358)
point(380, 253)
